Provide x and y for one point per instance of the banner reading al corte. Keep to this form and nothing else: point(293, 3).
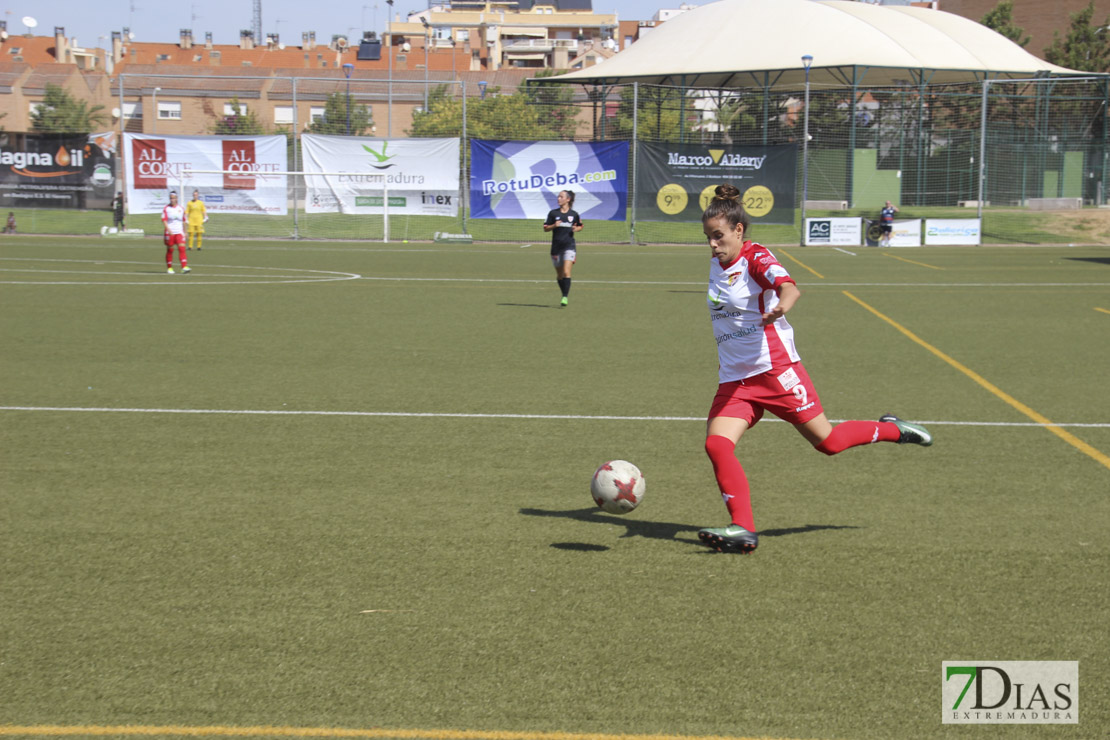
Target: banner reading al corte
point(675, 182)
point(159, 164)
point(57, 170)
point(421, 176)
point(521, 179)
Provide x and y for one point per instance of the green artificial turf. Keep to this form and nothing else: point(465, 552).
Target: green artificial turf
point(376, 513)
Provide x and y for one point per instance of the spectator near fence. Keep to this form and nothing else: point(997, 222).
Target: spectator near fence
point(117, 212)
point(886, 224)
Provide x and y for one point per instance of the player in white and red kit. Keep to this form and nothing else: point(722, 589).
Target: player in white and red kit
point(760, 369)
point(173, 219)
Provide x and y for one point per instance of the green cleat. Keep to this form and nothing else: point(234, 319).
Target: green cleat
point(169, 270)
point(910, 433)
point(732, 538)
point(563, 303)
point(186, 269)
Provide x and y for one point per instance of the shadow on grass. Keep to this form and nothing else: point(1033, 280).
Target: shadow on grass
point(579, 547)
point(656, 530)
point(526, 305)
point(1096, 260)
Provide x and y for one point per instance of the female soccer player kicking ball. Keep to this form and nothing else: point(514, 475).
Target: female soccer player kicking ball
point(760, 369)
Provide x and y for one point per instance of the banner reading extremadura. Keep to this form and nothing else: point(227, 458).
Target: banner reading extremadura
point(675, 182)
point(521, 179)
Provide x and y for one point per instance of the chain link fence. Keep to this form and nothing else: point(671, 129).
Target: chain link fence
point(1022, 155)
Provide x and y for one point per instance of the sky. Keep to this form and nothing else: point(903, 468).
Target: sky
point(162, 20)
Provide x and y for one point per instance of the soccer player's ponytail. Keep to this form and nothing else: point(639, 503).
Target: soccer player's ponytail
point(726, 204)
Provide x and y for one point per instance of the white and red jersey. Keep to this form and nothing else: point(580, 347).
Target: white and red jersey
point(174, 219)
point(739, 295)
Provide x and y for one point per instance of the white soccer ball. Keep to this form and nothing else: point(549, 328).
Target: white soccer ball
point(618, 486)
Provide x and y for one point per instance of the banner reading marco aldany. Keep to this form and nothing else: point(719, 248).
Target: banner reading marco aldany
point(229, 171)
point(421, 176)
point(675, 182)
point(521, 179)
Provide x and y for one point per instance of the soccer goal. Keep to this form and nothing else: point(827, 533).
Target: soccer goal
point(293, 204)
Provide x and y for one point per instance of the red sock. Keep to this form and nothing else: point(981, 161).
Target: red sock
point(169, 257)
point(855, 433)
point(181, 255)
point(731, 480)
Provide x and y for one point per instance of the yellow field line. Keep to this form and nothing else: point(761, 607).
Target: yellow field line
point(1061, 433)
point(1101, 309)
point(783, 251)
point(376, 732)
point(921, 264)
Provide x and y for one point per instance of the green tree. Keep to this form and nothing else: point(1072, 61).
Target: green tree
point(337, 114)
point(665, 114)
point(1001, 20)
point(1087, 45)
point(556, 102)
point(61, 113)
point(522, 115)
point(238, 123)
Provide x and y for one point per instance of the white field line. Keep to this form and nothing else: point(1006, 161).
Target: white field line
point(197, 277)
point(446, 415)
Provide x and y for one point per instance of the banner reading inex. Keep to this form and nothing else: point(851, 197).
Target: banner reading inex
point(158, 164)
point(675, 182)
point(521, 179)
point(57, 170)
point(421, 176)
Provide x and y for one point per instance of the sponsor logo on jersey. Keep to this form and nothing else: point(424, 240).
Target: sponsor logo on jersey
point(776, 271)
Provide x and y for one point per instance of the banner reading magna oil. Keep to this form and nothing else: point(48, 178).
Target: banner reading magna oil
point(675, 182)
point(57, 170)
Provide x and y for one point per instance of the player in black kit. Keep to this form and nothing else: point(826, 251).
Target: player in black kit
point(563, 223)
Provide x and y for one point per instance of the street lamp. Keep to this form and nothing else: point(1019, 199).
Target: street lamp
point(807, 62)
point(426, 39)
point(347, 69)
point(154, 121)
point(389, 50)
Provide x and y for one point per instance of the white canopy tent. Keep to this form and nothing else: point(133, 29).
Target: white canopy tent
point(760, 43)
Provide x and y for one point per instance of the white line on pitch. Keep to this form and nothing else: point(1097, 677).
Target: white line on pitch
point(445, 415)
point(845, 251)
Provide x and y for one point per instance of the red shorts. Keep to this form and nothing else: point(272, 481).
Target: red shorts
point(173, 239)
point(788, 393)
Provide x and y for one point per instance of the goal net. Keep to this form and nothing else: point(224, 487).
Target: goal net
point(296, 204)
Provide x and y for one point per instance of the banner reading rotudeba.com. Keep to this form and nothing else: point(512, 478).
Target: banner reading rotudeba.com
point(675, 182)
point(159, 164)
point(521, 179)
point(421, 176)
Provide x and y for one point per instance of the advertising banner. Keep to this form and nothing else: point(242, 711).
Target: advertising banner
point(57, 170)
point(675, 182)
point(521, 179)
point(953, 231)
point(906, 233)
point(159, 164)
point(421, 176)
point(834, 231)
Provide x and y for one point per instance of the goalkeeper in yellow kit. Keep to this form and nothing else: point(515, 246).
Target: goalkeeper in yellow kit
point(196, 214)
